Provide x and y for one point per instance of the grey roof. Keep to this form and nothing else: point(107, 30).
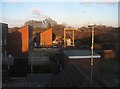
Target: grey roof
point(40, 56)
point(77, 54)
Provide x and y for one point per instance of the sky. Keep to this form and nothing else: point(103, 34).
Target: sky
point(73, 14)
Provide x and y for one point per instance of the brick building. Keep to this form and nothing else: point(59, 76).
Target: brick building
point(26, 37)
point(44, 38)
point(20, 41)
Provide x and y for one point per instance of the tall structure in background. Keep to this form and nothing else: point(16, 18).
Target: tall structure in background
point(3, 36)
point(69, 36)
point(3, 47)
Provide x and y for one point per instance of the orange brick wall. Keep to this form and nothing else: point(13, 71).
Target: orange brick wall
point(19, 41)
point(26, 38)
point(46, 37)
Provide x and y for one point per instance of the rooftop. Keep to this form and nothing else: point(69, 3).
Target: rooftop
point(72, 76)
point(78, 54)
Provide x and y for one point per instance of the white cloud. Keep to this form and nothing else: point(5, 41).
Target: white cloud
point(60, 0)
point(38, 14)
point(14, 22)
point(106, 3)
point(36, 11)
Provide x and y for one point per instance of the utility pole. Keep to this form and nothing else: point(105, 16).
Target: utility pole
point(92, 49)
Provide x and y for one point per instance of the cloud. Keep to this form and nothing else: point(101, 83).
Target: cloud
point(36, 11)
point(88, 4)
point(107, 0)
point(60, 0)
point(107, 3)
point(38, 14)
point(14, 22)
point(13, 0)
point(83, 11)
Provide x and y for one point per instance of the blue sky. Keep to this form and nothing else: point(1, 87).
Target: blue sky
point(71, 13)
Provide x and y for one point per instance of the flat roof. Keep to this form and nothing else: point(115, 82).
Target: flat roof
point(78, 54)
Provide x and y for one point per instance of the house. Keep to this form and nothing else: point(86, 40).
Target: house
point(44, 38)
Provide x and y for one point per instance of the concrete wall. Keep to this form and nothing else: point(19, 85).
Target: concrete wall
point(4, 28)
point(3, 42)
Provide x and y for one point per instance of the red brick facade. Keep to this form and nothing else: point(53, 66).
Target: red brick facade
point(25, 38)
point(46, 37)
point(20, 41)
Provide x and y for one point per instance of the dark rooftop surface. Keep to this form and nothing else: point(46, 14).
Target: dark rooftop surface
point(69, 76)
point(72, 76)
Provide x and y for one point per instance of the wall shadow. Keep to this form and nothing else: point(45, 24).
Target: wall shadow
point(14, 44)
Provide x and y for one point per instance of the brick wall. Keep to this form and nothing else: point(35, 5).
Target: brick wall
point(46, 37)
point(19, 42)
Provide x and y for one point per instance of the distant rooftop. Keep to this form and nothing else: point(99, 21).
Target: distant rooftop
point(3, 24)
